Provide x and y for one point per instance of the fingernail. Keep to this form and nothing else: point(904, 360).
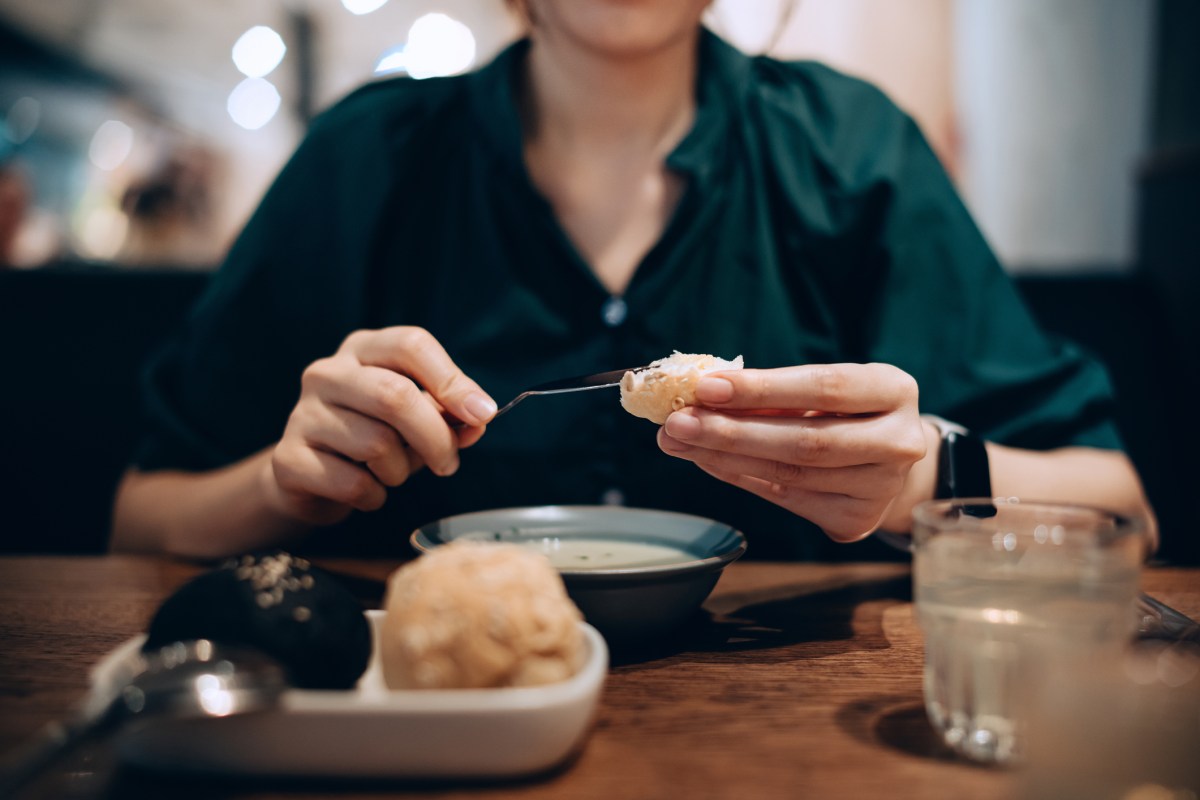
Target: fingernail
point(714, 390)
point(448, 469)
point(480, 406)
point(682, 426)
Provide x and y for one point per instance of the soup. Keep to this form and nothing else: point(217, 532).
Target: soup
point(576, 553)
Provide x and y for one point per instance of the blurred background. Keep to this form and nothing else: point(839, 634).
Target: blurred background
point(143, 132)
point(136, 136)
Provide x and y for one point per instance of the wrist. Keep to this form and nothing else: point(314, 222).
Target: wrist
point(292, 511)
point(276, 501)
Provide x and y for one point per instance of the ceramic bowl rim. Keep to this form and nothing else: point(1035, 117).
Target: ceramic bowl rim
point(422, 541)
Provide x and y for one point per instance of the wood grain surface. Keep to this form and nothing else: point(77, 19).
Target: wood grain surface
point(797, 680)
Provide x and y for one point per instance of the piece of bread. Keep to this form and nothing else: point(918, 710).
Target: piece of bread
point(668, 384)
point(472, 615)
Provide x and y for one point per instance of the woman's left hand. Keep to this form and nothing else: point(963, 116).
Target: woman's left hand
point(834, 443)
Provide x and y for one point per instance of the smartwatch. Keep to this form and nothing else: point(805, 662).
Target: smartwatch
point(962, 469)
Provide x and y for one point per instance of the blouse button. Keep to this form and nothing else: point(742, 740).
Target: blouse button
point(614, 311)
point(613, 497)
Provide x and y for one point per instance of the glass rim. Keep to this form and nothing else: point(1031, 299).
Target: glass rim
point(924, 513)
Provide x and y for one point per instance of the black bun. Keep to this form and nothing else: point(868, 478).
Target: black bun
point(279, 604)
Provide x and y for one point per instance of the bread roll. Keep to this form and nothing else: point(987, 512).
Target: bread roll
point(668, 384)
point(476, 615)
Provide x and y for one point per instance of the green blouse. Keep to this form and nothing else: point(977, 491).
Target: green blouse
point(816, 226)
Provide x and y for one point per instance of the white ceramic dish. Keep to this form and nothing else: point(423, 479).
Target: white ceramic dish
point(647, 594)
point(372, 731)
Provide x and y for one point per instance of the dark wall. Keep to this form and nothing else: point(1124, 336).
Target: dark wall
point(1121, 320)
point(1175, 120)
point(1169, 180)
point(1169, 248)
point(73, 342)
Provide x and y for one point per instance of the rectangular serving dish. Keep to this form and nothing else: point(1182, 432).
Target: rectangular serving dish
point(374, 732)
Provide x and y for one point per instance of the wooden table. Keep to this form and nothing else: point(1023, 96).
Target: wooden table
point(803, 680)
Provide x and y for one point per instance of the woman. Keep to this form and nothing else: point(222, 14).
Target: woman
point(619, 185)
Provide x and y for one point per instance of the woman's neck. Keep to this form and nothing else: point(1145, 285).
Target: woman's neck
point(580, 99)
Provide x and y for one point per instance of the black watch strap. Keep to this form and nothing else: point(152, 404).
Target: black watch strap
point(963, 469)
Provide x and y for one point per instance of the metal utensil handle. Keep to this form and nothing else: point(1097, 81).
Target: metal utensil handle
point(580, 383)
point(456, 424)
point(1157, 620)
point(52, 742)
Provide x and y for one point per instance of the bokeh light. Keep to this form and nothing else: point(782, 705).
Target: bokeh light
point(111, 145)
point(391, 61)
point(361, 7)
point(438, 45)
point(258, 51)
point(23, 118)
point(102, 232)
point(253, 103)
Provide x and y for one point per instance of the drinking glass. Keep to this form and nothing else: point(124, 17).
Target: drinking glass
point(1001, 587)
point(1120, 729)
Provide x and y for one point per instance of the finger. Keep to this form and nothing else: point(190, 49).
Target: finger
point(303, 470)
point(357, 437)
point(392, 398)
point(416, 353)
point(836, 388)
point(842, 518)
point(469, 435)
point(861, 481)
point(821, 441)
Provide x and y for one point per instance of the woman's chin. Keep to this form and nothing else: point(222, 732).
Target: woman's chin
point(618, 28)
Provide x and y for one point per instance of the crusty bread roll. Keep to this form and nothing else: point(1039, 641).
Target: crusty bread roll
point(668, 384)
point(471, 615)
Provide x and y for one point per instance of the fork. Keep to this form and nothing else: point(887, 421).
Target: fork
point(1157, 620)
point(580, 383)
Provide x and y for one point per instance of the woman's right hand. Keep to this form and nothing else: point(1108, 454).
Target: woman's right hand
point(369, 416)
